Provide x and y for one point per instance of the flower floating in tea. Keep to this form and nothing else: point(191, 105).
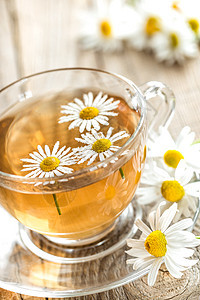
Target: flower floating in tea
point(47, 164)
point(98, 145)
point(161, 243)
point(89, 112)
point(113, 194)
point(158, 185)
point(171, 152)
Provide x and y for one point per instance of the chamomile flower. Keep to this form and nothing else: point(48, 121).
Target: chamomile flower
point(148, 22)
point(89, 112)
point(161, 243)
point(162, 145)
point(98, 145)
point(175, 42)
point(114, 193)
point(190, 10)
point(107, 26)
point(47, 164)
point(158, 185)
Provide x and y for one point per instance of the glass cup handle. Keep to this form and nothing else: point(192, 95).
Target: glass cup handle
point(160, 101)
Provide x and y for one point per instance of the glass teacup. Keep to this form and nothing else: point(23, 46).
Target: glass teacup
point(81, 204)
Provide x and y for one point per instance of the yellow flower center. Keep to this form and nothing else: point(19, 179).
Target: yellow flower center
point(194, 24)
point(49, 164)
point(89, 113)
point(156, 243)
point(174, 40)
point(110, 192)
point(172, 158)
point(152, 25)
point(175, 5)
point(105, 28)
point(101, 145)
point(172, 190)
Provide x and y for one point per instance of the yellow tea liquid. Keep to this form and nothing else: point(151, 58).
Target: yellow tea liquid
point(85, 211)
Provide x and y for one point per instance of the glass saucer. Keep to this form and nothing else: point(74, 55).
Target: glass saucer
point(68, 272)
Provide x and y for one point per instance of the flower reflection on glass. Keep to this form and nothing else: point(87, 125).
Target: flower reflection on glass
point(172, 151)
point(162, 243)
point(89, 112)
point(114, 192)
point(158, 185)
point(47, 164)
point(98, 145)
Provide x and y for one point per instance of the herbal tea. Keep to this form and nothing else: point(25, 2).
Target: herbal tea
point(53, 136)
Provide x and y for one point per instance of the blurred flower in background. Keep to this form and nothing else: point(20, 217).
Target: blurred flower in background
point(170, 30)
point(106, 26)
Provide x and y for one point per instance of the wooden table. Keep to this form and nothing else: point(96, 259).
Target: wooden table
point(38, 35)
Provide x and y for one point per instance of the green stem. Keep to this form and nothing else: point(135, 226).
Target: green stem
point(121, 173)
point(56, 203)
point(196, 142)
point(197, 237)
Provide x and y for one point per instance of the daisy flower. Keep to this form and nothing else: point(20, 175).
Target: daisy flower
point(98, 145)
point(190, 10)
point(184, 147)
point(148, 22)
point(161, 243)
point(47, 164)
point(113, 195)
point(158, 185)
point(175, 42)
point(89, 112)
point(107, 26)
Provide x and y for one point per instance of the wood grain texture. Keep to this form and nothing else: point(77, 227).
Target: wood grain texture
point(38, 35)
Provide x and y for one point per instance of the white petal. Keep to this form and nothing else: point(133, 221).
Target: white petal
point(101, 156)
point(97, 99)
point(90, 98)
point(88, 125)
point(171, 267)
point(55, 148)
point(109, 132)
point(41, 151)
point(75, 123)
point(95, 124)
point(35, 157)
point(48, 152)
point(79, 102)
point(167, 217)
point(152, 219)
point(135, 243)
point(141, 263)
point(183, 252)
point(182, 173)
point(154, 271)
point(92, 158)
point(60, 151)
point(142, 226)
point(38, 155)
point(193, 189)
point(83, 125)
point(181, 225)
point(138, 252)
point(29, 160)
